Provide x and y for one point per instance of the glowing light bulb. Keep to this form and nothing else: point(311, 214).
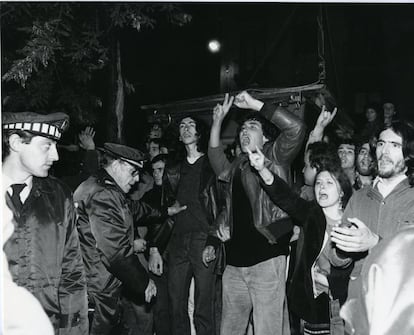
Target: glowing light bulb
point(214, 46)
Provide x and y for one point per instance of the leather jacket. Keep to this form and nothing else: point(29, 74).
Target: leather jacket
point(44, 255)
point(269, 219)
point(105, 224)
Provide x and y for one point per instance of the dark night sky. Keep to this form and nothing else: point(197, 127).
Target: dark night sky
point(368, 47)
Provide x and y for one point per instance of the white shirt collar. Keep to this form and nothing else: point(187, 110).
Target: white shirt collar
point(386, 188)
point(7, 182)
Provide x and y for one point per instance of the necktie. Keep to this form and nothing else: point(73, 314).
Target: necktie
point(15, 198)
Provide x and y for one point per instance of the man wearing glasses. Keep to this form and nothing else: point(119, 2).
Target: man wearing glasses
point(105, 225)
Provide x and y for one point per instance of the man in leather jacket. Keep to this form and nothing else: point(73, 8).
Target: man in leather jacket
point(105, 224)
point(43, 252)
point(256, 231)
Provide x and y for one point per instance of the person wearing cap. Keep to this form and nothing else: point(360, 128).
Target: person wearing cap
point(105, 224)
point(43, 252)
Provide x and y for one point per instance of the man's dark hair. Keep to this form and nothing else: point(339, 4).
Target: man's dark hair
point(405, 129)
point(5, 146)
point(270, 131)
point(350, 141)
point(160, 158)
point(371, 142)
point(373, 105)
point(322, 155)
point(155, 140)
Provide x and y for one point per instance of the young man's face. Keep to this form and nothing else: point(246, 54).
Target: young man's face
point(251, 135)
point(158, 172)
point(125, 175)
point(188, 132)
point(38, 156)
point(346, 153)
point(389, 154)
point(364, 161)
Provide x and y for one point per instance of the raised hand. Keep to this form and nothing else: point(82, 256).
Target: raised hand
point(246, 101)
point(325, 117)
point(86, 138)
point(220, 111)
point(257, 158)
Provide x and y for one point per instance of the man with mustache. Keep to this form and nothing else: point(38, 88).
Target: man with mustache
point(364, 164)
point(377, 212)
point(256, 232)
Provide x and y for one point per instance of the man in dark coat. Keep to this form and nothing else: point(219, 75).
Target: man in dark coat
point(105, 224)
point(43, 253)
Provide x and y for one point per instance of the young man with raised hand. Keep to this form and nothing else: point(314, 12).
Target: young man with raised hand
point(256, 231)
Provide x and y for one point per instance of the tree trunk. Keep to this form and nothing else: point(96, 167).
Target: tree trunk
point(120, 97)
point(116, 108)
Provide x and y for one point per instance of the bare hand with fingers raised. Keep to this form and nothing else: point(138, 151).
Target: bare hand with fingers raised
point(220, 111)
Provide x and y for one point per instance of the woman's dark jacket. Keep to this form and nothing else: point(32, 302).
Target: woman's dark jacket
point(310, 216)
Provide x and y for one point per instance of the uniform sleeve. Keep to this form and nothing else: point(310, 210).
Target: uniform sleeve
point(72, 287)
point(111, 234)
point(142, 211)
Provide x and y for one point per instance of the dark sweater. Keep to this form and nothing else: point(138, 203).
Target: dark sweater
point(193, 219)
point(247, 246)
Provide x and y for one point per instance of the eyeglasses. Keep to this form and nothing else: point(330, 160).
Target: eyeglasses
point(134, 171)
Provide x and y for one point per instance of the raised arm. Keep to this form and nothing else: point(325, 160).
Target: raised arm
point(279, 191)
point(218, 159)
point(289, 142)
point(324, 119)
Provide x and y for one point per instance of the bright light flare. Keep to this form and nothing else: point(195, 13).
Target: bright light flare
point(214, 46)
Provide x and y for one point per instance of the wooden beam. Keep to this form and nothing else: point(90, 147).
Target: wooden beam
point(204, 105)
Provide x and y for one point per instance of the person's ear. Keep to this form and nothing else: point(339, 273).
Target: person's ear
point(15, 142)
